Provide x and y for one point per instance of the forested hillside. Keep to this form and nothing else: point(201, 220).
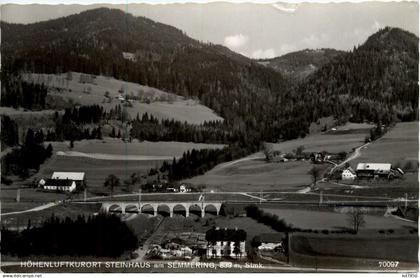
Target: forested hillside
point(94, 41)
point(376, 81)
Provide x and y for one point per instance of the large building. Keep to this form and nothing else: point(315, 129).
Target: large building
point(226, 243)
point(371, 170)
point(63, 181)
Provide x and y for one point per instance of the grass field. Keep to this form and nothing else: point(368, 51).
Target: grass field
point(114, 146)
point(400, 144)
point(160, 104)
point(354, 251)
point(324, 142)
point(256, 175)
point(315, 219)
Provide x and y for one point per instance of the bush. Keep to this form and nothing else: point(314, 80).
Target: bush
point(268, 219)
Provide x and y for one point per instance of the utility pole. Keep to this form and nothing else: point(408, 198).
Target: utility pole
point(406, 201)
point(320, 198)
point(261, 195)
point(18, 195)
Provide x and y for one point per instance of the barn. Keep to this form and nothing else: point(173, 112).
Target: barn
point(64, 181)
point(371, 170)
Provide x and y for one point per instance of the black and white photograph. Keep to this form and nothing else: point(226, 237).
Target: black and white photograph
point(209, 137)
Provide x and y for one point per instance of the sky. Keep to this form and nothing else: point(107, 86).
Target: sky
point(263, 30)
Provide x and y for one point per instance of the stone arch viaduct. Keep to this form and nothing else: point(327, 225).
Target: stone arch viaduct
point(136, 207)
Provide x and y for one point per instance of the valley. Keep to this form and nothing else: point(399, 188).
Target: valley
point(178, 146)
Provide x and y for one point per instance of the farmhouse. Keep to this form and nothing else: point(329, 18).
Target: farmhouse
point(371, 170)
point(348, 174)
point(64, 181)
point(225, 243)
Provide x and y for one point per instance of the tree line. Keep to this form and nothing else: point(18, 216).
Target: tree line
point(151, 129)
point(197, 162)
point(99, 236)
point(9, 132)
point(28, 157)
point(268, 219)
point(15, 92)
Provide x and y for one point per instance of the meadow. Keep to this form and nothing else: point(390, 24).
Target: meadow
point(162, 105)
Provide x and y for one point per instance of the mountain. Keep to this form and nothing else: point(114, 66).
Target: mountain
point(377, 81)
point(114, 43)
point(298, 65)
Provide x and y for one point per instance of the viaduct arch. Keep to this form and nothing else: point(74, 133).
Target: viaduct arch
point(136, 207)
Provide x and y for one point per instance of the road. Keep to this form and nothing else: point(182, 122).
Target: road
point(354, 155)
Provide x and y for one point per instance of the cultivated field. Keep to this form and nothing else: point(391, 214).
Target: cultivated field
point(160, 104)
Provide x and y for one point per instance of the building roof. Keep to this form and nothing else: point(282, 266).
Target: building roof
point(76, 176)
point(350, 170)
point(272, 237)
point(57, 182)
point(374, 166)
point(216, 234)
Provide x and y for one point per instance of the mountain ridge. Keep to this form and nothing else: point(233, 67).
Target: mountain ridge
point(254, 99)
point(300, 64)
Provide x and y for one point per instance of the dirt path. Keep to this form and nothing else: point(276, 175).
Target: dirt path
point(254, 156)
point(113, 156)
point(354, 155)
point(49, 205)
